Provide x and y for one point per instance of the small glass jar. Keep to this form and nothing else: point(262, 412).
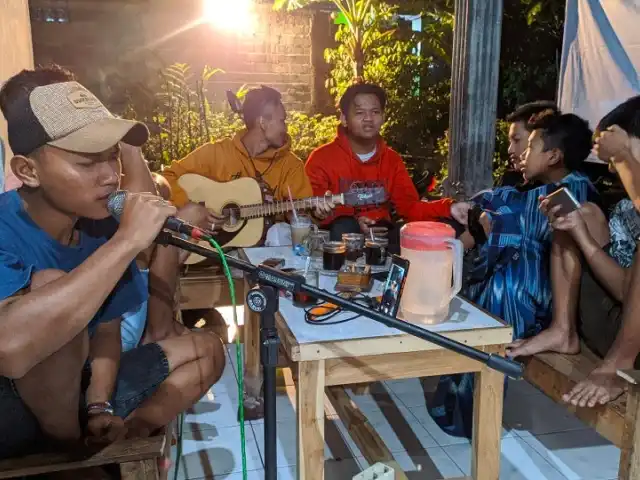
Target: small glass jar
point(334, 254)
point(376, 251)
point(355, 245)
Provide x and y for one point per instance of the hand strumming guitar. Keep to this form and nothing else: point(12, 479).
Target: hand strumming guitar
point(200, 216)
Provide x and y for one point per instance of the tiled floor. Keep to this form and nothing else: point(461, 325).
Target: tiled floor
point(541, 440)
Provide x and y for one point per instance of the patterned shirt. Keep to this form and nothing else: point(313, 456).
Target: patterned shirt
point(624, 231)
point(509, 274)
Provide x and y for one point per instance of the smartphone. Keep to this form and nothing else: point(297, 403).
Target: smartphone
point(565, 200)
point(394, 285)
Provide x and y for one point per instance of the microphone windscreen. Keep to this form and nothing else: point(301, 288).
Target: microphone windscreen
point(115, 204)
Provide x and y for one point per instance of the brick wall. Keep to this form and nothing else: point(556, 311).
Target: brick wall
point(116, 43)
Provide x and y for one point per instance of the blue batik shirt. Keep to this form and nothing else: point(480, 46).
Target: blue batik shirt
point(25, 249)
point(510, 274)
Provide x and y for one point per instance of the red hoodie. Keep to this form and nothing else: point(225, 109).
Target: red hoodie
point(335, 167)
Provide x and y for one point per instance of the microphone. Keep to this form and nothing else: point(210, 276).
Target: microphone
point(115, 206)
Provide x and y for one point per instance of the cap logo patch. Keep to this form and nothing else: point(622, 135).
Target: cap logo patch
point(82, 98)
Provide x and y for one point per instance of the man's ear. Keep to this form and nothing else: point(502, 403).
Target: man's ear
point(555, 157)
point(25, 170)
point(343, 120)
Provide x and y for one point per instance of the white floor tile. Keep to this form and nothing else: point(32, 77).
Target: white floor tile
point(400, 430)
point(335, 447)
point(333, 470)
point(218, 452)
point(251, 475)
point(519, 461)
point(285, 406)
point(536, 414)
point(433, 464)
point(578, 454)
point(442, 438)
point(375, 402)
point(214, 410)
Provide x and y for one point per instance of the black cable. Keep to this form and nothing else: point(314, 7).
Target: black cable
point(324, 319)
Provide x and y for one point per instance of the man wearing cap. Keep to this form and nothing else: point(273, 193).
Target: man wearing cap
point(67, 275)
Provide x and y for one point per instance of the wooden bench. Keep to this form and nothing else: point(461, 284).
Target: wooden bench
point(137, 458)
point(618, 421)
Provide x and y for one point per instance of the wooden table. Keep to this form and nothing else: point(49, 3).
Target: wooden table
point(363, 350)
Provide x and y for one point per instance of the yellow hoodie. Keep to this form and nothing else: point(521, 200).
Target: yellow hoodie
point(228, 160)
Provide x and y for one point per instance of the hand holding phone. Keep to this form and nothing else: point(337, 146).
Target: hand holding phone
point(561, 198)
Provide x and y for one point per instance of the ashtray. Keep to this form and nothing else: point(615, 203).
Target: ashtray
point(354, 277)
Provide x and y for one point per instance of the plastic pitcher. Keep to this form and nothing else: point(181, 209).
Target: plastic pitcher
point(435, 271)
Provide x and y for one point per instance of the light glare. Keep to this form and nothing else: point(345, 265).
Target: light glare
point(235, 16)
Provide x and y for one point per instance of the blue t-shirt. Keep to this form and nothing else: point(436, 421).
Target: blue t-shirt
point(25, 248)
point(135, 321)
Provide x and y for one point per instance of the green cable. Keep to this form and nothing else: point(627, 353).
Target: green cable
point(239, 362)
point(227, 273)
point(179, 445)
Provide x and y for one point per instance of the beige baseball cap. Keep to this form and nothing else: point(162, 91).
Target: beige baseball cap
point(68, 116)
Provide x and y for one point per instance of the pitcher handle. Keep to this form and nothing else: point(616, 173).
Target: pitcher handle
point(458, 252)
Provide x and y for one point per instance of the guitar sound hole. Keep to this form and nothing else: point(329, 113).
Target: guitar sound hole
point(231, 214)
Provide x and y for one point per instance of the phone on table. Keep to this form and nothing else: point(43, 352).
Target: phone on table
point(394, 285)
point(565, 200)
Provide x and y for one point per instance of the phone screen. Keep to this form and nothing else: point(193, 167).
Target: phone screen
point(393, 286)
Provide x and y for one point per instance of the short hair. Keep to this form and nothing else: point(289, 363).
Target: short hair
point(626, 116)
point(255, 102)
point(525, 112)
point(568, 133)
point(23, 83)
point(353, 91)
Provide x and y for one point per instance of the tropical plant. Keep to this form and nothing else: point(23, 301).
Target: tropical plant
point(184, 118)
point(357, 15)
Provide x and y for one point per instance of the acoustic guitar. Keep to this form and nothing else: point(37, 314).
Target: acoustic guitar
point(240, 202)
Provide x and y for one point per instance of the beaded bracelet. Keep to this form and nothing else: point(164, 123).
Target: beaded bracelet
point(100, 408)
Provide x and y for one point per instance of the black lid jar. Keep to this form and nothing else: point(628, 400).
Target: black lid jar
point(334, 254)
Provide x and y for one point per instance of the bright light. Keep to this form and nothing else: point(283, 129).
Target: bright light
point(236, 16)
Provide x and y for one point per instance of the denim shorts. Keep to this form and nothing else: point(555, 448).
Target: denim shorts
point(141, 371)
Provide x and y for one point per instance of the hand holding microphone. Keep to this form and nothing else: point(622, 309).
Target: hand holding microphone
point(142, 216)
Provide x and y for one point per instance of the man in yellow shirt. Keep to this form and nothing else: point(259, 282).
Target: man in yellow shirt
point(261, 151)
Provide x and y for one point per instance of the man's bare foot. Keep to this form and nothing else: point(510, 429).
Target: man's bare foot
point(549, 340)
point(601, 386)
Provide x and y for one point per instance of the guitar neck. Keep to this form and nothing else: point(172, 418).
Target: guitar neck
point(285, 206)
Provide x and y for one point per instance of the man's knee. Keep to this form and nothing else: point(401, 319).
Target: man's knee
point(216, 356)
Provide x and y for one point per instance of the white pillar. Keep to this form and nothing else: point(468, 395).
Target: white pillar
point(16, 48)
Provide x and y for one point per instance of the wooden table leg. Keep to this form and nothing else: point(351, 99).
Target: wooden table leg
point(487, 424)
point(310, 411)
point(252, 370)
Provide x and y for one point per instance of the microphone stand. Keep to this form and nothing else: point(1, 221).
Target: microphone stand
point(264, 299)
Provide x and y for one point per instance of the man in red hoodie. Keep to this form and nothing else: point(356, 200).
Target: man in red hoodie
point(360, 155)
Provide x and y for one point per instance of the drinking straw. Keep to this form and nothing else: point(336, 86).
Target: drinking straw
point(293, 206)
